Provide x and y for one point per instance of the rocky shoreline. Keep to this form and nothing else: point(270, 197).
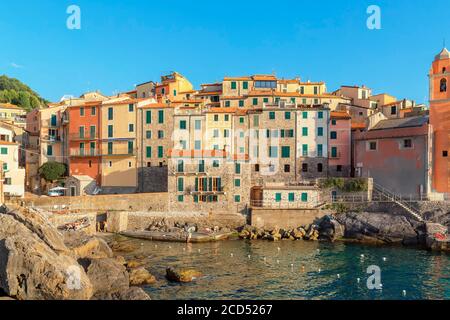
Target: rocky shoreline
point(38, 262)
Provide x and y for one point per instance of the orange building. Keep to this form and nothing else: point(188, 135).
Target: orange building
point(84, 132)
point(440, 120)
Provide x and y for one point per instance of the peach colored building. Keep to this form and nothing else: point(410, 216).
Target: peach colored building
point(440, 120)
point(340, 144)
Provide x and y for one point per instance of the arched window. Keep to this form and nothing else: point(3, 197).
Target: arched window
point(443, 86)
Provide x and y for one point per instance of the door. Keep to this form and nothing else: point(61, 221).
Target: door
point(73, 191)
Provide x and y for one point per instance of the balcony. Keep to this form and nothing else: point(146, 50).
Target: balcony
point(86, 136)
point(51, 139)
point(84, 153)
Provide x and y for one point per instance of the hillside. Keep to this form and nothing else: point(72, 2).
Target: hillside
point(15, 92)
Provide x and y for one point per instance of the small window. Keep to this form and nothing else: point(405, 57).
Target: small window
point(445, 153)
point(319, 167)
point(287, 168)
point(241, 120)
point(278, 197)
point(339, 168)
point(131, 107)
point(216, 164)
point(320, 115)
point(333, 122)
point(373, 145)
point(443, 86)
point(233, 85)
point(227, 117)
point(407, 143)
point(291, 197)
point(82, 111)
point(237, 183)
point(272, 115)
point(245, 85)
point(237, 198)
point(131, 127)
point(304, 167)
point(393, 110)
point(148, 134)
point(227, 103)
point(304, 197)
point(183, 124)
point(216, 117)
point(256, 167)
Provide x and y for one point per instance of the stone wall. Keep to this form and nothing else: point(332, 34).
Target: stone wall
point(127, 202)
point(283, 218)
point(152, 179)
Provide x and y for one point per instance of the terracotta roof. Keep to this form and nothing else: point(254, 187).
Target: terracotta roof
point(9, 106)
point(156, 106)
point(209, 93)
point(340, 115)
point(7, 143)
point(237, 78)
point(358, 125)
point(401, 123)
point(221, 110)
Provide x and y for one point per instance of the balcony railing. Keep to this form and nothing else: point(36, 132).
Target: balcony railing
point(52, 139)
point(84, 136)
point(99, 153)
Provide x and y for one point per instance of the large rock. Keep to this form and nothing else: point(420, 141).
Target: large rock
point(133, 293)
point(437, 238)
point(107, 276)
point(379, 227)
point(141, 276)
point(83, 245)
point(438, 216)
point(38, 224)
point(31, 270)
point(330, 229)
point(182, 275)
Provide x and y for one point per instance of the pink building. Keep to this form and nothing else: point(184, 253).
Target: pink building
point(340, 144)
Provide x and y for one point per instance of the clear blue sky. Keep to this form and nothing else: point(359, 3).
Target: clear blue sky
point(127, 42)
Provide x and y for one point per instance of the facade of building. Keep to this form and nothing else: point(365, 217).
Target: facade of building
point(13, 176)
point(440, 120)
point(340, 143)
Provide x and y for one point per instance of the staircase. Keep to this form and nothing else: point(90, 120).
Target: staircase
point(392, 197)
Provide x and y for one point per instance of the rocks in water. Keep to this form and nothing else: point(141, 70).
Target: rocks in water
point(438, 216)
point(378, 227)
point(123, 246)
point(132, 293)
point(141, 276)
point(31, 270)
point(188, 275)
point(437, 238)
point(134, 264)
point(253, 233)
point(330, 229)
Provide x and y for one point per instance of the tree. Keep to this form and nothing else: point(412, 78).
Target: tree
point(15, 92)
point(52, 171)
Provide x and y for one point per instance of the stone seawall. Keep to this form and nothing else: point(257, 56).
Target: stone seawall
point(284, 218)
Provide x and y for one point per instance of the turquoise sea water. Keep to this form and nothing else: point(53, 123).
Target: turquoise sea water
point(290, 270)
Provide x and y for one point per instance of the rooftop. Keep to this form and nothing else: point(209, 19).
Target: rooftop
point(401, 123)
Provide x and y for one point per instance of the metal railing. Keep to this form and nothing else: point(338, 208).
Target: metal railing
point(84, 136)
point(284, 204)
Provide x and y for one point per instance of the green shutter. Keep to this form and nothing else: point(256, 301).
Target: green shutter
point(110, 114)
point(287, 115)
point(110, 148)
point(238, 168)
point(233, 85)
point(160, 152)
point(305, 115)
point(149, 152)
point(305, 150)
point(237, 183)
point(241, 103)
point(245, 85)
point(4, 150)
point(304, 197)
point(148, 117)
point(180, 184)
point(291, 197)
point(278, 197)
point(286, 152)
point(161, 116)
point(255, 101)
point(305, 132)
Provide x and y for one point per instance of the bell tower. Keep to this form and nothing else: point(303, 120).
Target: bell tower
point(440, 120)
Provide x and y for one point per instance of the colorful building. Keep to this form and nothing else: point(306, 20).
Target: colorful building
point(340, 144)
point(13, 176)
point(440, 120)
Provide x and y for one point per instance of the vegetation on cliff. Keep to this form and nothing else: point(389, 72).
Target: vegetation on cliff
point(15, 92)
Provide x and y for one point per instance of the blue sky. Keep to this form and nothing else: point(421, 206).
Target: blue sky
point(123, 43)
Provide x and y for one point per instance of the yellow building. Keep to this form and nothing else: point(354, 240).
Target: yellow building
point(12, 113)
point(172, 87)
point(219, 129)
point(118, 143)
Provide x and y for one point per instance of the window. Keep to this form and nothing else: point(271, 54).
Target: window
point(445, 153)
point(233, 85)
point(302, 90)
point(183, 144)
point(148, 134)
point(241, 120)
point(256, 121)
point(287, 168)
point(174, 93)
point(333, 135)
point(130, 147)
point(131, 107)
point(82, 111)
point(110, 114)
point(198, 145)
point(293, 100)
point(149, 152)
point(333, 122)
point(393, 110)
point(148, 117)
point(201, 166)
point(266, 84)
point(257, 167)
point(4, 150)
point(160, 151)
point(273, 152)
point(291, 197)
point(241, 103)
point(245, 85)
point(110, 164)
point(198, 124)
point(183, 124)
point(81, 131)
point(278, 197)
point(304, 167)
point(319, 167)
point(92, 132)
point(305, 150)
point(237, 168)
point(227, 117)
point(227, 103)
point(53, 120)
point(5, 166)
point(266, 100)
point(237, 183)
point(339, 168)
point(320, 115)
point(160, 134)
point(161, 116)
point(316, 90)
point(93, 111)
point(110, 148)
point(334, 152)
point(50, 151)
point(407, 143)
point(320, 150)
point(285, 152)
point(443, 86)
point(90, 163)
point(110, 131)
point(305, 115)
point(373, 145)
point(237, 198)
point(320, 131)
point(305, 132)
point(304, 197)
point(180, 184)
point(131, 127)
point(287, 115)
point(180, 166)
point(255, 101)
point(216, 117)
point(272, 115)
point(180, 198)
point(216, 133)
point(216, 164)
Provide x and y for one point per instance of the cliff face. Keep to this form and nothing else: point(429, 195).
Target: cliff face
point(39, 263)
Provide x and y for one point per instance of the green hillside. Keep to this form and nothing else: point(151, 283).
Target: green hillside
point(15, 92)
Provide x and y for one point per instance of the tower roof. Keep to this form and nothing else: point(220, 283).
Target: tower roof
point(444, 54)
